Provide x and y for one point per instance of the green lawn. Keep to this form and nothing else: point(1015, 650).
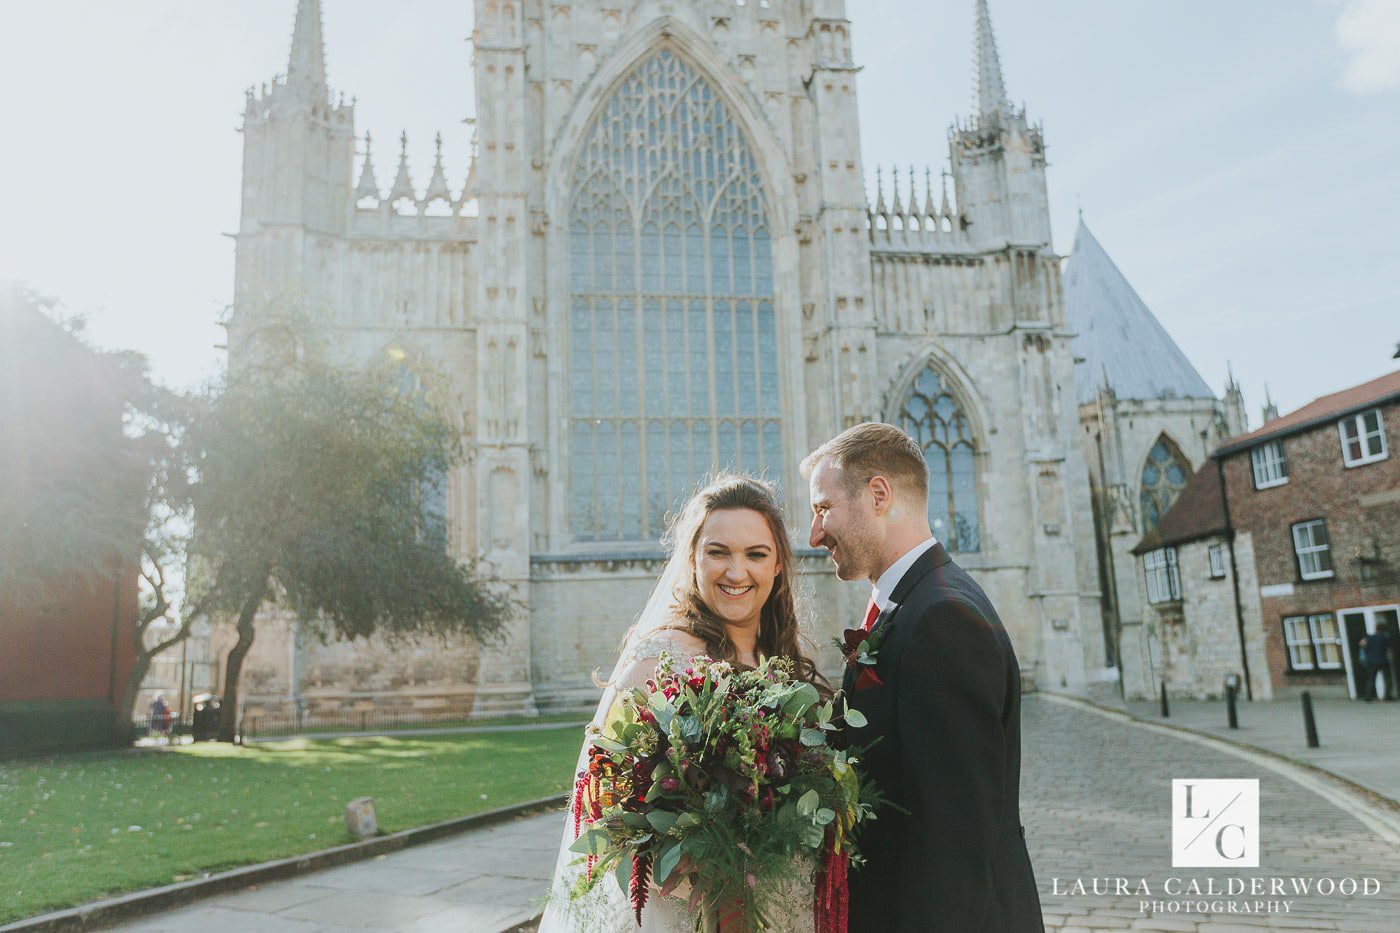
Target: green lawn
point(77, 828)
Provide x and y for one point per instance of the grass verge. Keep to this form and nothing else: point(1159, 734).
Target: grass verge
point(80, 828)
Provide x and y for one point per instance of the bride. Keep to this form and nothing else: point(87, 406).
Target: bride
point(726, 593)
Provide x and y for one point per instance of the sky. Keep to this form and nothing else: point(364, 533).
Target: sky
point(1239, 160)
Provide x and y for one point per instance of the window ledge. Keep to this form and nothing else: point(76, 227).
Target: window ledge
point(1365, 461)
point(1318, 578)
point(1271, 484)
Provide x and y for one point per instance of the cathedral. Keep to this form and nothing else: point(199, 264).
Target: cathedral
point(663, 261)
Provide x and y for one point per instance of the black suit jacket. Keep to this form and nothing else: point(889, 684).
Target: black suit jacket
point(943, 732)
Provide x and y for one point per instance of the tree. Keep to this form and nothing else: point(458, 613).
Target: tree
point(305, 490)
point(74, 476)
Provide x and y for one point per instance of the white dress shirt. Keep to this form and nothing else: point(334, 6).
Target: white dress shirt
point(885, 586)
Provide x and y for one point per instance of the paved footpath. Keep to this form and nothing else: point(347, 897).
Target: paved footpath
point(1359, 741)
point(484, 880)
point(1096, 802)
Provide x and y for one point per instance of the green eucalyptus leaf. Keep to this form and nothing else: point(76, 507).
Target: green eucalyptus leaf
point(661, 820)
point(807, 803)
point(666, 863)
point(592, 842)
point(812, 737)
point(624, 872)
point(855, 718)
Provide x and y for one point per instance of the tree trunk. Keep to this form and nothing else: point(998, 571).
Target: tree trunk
point(126, 706)
point(125, 711)
point(233, 670)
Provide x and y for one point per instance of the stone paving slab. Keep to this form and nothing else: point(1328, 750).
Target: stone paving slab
point(483, 880)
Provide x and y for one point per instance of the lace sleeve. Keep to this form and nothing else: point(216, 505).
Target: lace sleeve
point(640, 656)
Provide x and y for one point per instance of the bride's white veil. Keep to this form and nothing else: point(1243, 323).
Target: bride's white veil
point(607, 907)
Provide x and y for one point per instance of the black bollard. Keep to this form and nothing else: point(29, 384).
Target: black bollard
point(1231, 695)
point(1309, 723)
point(1166, 711)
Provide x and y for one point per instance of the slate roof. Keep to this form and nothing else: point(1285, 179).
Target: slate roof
point(1118, 335)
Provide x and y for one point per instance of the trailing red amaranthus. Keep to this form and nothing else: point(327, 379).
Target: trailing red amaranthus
point(641, 878)
point(829, 905)
point(580, 788)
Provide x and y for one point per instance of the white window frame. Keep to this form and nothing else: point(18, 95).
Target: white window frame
point(1297, 638)
point(1216, 554)
point(1360, 435)
point(1163, 578)
point(1314, 623)
point(1270, 465)
point(1307, 550)
point(1306, 631)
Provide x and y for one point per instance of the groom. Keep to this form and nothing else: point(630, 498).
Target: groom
point(941, 698)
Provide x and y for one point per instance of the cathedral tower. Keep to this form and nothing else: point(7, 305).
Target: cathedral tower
point(999, 158)
point(298, 143)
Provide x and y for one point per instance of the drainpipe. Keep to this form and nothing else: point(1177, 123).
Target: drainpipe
point(1235, 579)
point(1105, 541)
point(112, 651)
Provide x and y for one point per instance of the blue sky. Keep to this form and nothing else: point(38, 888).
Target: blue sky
point(1239, 160)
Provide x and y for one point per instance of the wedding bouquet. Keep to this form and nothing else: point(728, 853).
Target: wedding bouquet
point(722, 780)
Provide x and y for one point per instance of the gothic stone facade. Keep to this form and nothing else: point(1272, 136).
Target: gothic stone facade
point(663, 261)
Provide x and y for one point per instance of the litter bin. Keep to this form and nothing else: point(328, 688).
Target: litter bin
point(204, 723)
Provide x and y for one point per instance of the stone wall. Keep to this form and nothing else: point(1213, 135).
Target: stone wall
point(1199, 635)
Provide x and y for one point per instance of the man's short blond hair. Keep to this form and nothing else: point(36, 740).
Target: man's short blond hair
point(874, 449)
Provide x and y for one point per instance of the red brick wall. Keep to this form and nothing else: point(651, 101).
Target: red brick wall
point(1359, 519)
point(60, 647)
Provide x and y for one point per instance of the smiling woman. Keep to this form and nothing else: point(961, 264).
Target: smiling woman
point(76, 829)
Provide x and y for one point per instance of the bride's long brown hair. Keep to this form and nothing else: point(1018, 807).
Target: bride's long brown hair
point(778, 632)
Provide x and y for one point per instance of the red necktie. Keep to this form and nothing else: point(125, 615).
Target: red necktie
point(872, 612)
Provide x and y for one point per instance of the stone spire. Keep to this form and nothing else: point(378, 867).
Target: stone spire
point(306, 67)
point(437, 186)
point(403, 184)
point(368, 186)
point(1236, 421)
point(989, 88)
point(1270, 409)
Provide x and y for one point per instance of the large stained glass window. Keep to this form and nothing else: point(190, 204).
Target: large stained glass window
point(431, 492)
point(673, 343)
point(1163, 477)
point(932, 416)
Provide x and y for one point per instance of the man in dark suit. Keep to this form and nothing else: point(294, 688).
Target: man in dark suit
point(940, 691)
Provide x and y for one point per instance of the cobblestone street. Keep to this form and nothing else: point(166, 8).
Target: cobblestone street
point(1096, 803)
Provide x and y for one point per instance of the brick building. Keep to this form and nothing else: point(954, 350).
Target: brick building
point(1318, 493)
point(65, 649)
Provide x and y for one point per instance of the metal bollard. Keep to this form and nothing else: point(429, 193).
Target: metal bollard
point(1166, 711)
point(1309, 722)
point(1231, 696)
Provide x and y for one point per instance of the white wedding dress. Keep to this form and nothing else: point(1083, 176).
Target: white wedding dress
point(606, 909)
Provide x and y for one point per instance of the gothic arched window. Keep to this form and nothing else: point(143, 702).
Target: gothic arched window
point(673, 343)
point(932, 416)
point(431, 492)
point(1163, 477)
